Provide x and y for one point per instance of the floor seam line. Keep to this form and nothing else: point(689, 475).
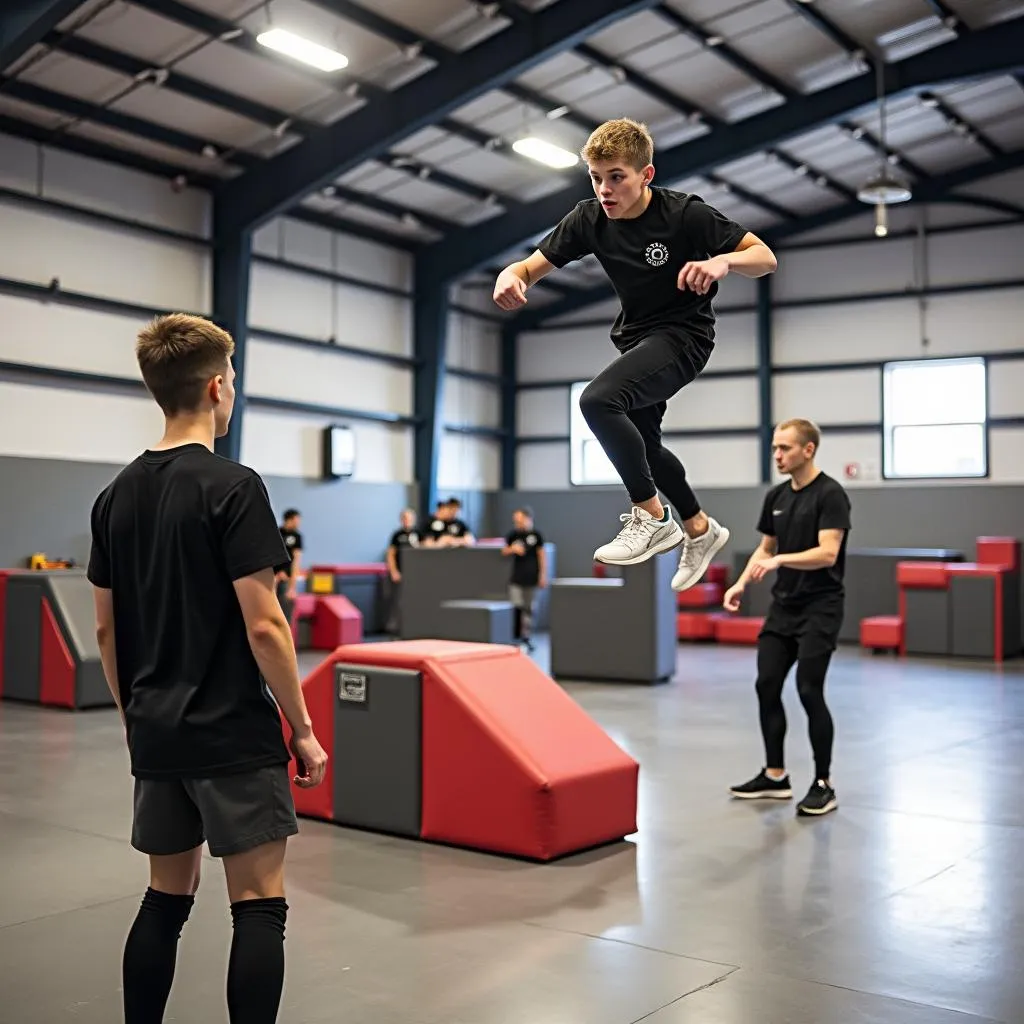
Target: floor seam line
point(693, 991)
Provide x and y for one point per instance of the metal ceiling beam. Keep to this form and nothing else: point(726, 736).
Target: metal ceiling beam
point(961, 125)
point(861, 134)
point(806, 170)
point(370, 131)
point(937, 189)
point(989, 52)
point(23, 23)
point(721, 49)
point(946, 14)
point(829, 28)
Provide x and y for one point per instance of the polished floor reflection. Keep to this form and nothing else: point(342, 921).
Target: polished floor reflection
point(904, 907)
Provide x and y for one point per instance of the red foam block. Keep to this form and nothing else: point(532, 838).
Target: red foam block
point(511, 763)
point(718, 572)
point(923, 575)
point(318, 691)
point(56, 666)
point(695, 626)
point(353, 569)
point(881, 632)
point(738, 629)
point(999, 551)
point(702, 595)
point(336, 621)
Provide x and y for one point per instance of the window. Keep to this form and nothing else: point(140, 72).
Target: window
point(588, 463)
point(935, 414)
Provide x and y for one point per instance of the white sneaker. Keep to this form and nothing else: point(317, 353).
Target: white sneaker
point(641, 538)
point(697, 555)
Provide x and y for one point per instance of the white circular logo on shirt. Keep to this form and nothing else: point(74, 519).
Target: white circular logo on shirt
point(657, 254)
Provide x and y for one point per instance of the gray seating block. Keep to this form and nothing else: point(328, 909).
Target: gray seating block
point(377, 748)
point(22, 637)
point(1013, 628)
point(973, 611)
point(927, 628)
point(617, 630)
point(477, 621)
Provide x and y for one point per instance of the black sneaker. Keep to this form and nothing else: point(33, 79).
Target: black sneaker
point(820, 799)
point(763, 787)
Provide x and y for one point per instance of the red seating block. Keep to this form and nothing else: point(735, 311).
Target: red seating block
point(701, 595)
point(56, 666)
point(718, 572)
point(336, 621)
point(1005, 551)
point(511, 763)
point(882, 632)
point(738, 629)
point(926, 575)
point(695, 626)
point(353, 569)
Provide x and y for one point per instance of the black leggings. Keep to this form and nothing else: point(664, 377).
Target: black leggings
point(624, 406)
point(775, 657)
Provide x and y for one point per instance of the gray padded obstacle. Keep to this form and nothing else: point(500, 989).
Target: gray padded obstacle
point(483, 622)
point(618, 629)
point(973, 610)
point(869, 582)
point(50, 618)
point(377, 739)
point(928, 626)
point(433, 576)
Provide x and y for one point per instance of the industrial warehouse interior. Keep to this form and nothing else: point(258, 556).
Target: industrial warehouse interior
point(534, 806)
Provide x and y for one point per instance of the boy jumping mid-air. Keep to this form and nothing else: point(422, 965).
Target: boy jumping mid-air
point(664, 252)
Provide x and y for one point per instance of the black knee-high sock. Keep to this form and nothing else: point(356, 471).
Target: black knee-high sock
point(150, 951)
point(256, 964)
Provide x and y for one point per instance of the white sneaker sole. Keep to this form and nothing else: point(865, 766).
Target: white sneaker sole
point(666, 544)
point(723, 539)
point(771, 794)
point(805, 812)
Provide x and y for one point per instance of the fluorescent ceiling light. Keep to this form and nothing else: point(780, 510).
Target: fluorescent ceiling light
point(544, 152)
point(300, 49)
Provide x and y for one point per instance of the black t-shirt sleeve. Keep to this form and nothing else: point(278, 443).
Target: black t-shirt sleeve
point(394, 539)
point(510, 537)
point(765, 524)
point(540, 539)
point(568, 241)
point(297, 546)
point(98, 572)
point(834, 513)
point(250, 537)
point(710, 230)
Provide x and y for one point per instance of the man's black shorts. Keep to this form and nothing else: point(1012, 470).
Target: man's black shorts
point(814, 625)
point(233, 813)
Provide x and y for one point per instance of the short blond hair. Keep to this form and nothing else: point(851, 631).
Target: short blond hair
point(807, 431)
point(177, 354)
point(622, 139)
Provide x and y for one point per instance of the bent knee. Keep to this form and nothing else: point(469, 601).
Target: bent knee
point(597, 400)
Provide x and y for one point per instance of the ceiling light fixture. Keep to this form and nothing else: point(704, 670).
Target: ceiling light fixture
point(545, 152)
point(291, 45)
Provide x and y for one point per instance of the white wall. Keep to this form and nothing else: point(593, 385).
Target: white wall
point(985, 321)
point(66, 421)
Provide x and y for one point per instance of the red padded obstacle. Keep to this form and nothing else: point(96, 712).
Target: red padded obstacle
point(882, 632)
point(56, 666)
point(318, 690)
point(336, 621)
point(928, 575)
point(511, 763)
point(695, 626)
point(738, 629)
point(718, 572)
point(701, 595)
point(1004, 551)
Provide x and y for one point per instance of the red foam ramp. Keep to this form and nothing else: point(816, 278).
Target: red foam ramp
point(336, 621)
point(701, 595)
point(718, 572)
point(881, 632)
point(318, 690)
point(56, 666)
point(511, 763)
point(738, 629)
point(695, 626)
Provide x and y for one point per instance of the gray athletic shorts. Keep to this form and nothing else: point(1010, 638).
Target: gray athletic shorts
point(521, 597)
point(233, 813)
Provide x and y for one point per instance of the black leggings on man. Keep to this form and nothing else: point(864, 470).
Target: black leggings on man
point(776, 655)
point(624, 406)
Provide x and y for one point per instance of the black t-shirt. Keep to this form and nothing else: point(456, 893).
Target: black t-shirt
point(526, 568)
point(438, 527)
point(642, 257)
point(292, 542)
point(169, 535)
point(402, 539)
point(794, 518)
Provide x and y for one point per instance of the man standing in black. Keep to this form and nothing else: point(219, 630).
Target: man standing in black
point(407, 536)
point(525, 545)
point(199, 659)
point(287, 573)
point(665, 253)
point(804, 525)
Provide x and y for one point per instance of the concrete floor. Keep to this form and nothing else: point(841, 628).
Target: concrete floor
point(904, 907)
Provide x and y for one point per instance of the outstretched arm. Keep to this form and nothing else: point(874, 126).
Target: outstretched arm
point(751, 258)
point(510, 288)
